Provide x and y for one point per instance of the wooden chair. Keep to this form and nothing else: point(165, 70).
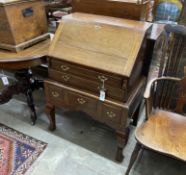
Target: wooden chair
point(172, 63)
point(163, 131)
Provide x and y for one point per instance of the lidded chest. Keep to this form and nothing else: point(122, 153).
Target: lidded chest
point(98, 53)
point(22, 23)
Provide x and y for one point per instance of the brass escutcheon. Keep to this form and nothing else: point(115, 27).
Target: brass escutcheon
point(111, 114)
point(65, 77)
point(55, 94)
point(81, 101)
point(65, 68)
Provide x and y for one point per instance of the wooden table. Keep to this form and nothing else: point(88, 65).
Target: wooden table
point(21, 63)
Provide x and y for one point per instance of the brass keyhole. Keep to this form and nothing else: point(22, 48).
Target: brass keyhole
point(55, 94)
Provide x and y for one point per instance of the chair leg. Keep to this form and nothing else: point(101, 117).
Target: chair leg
point(133, 157)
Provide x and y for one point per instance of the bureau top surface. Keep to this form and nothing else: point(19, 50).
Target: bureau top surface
point(8, 2)
point(104, 43)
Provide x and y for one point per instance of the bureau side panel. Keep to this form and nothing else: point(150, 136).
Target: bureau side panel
point(137, 70)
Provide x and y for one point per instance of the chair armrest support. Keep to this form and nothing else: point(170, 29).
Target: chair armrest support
point(147, 94)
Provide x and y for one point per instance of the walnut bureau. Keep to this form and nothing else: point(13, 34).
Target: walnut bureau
point(95, 65)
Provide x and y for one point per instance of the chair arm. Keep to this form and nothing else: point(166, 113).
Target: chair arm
point(178, 29)
point(147, 93)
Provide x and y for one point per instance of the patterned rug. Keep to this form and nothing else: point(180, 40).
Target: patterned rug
point(17, 151)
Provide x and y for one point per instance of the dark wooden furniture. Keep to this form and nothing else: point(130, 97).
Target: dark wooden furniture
point(20, 63)
point(95, 65)
point(164, 131)
point(130, 9)
point(22, 23)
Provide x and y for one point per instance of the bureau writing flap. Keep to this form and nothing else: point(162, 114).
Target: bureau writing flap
point(105, 43)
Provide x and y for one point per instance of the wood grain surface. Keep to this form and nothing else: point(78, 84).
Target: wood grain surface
point(29, 57)
point(164, 132)
point(127, 9)
point(105, 43)
point(21, 21)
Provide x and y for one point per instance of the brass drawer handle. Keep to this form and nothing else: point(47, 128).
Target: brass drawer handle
point(102, 78)
point(81, 101)
point(55, 94)
point(111, 114)
point(65, 77)
point(65, 68)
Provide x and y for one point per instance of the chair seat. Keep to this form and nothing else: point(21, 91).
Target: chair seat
point(164, 132)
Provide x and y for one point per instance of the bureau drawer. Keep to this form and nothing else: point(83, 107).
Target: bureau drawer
point(87, 84)
point(71, 98)
point(81, 102)
point(55, 94)
point(110, 79)
point(111, 113)
point(108, 112)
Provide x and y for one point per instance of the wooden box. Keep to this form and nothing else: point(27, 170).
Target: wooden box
point(130, 9)
point(93, 55)
point(22, 23)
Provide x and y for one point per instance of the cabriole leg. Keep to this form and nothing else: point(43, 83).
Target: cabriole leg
point(122, 138)
point(50, 111)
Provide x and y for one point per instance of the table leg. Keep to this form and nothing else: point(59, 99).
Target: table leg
point(31, 105)
point(25, 84)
